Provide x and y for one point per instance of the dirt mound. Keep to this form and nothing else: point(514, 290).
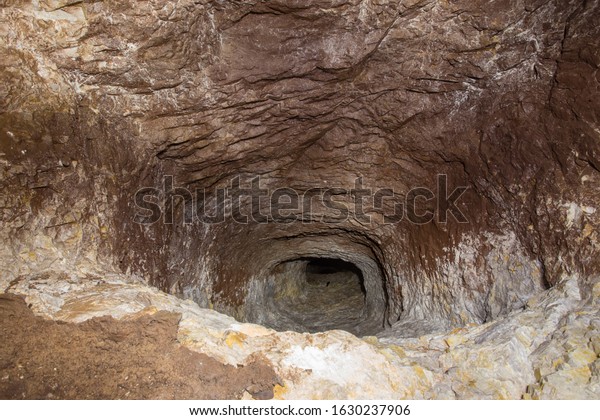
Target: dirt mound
point(104, 358)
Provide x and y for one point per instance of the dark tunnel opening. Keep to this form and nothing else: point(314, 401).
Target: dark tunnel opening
point(315, 294)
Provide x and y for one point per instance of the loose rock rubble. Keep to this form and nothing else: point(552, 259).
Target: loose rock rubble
point(548, 350)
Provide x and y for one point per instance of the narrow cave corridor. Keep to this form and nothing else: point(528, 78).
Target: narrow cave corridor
point(321, 294)
point(324, 284)
point(274, 169)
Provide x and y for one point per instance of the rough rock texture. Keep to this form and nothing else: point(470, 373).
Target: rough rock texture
point(102, 358)
point(101, 98)
point(550, 349)
point(316, 301)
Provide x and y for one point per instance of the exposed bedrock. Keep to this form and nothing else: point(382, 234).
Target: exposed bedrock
point(501, 98)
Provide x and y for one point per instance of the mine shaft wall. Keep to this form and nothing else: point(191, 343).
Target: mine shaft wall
point(111, 97)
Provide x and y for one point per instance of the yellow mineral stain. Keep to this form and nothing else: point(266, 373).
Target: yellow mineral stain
point(582, 356)
point(398, 350)
point(234, 338)
point(419, 371)
point(557, 363)
point(279, 391)
point(454, 340)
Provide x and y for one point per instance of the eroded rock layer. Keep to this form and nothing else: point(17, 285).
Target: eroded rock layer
point(548, 350)
point(491, 106)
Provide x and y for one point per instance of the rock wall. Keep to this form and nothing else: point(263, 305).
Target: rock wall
point(102, 98)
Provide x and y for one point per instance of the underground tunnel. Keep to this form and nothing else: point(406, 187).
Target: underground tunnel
point(321, 294)
point(307, 283)
point(406, 191)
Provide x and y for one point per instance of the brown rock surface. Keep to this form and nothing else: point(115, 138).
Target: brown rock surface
point(101, 98)
point(108, 359)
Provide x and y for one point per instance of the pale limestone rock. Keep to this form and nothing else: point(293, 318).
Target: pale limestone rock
point(549, 350)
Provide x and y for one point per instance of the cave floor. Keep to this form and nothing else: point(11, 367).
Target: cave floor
point(166, 347)
point(104, 358)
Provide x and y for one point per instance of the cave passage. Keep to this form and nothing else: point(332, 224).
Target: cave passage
point(313, 294)
point(321, 294)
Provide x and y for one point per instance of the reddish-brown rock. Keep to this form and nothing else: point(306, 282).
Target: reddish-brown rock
point(100, 99)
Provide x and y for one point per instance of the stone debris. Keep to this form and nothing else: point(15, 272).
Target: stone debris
point(548, 350)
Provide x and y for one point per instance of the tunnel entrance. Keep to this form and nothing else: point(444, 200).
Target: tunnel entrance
point(317, 294)
point(334, 272)
point(322, 294)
